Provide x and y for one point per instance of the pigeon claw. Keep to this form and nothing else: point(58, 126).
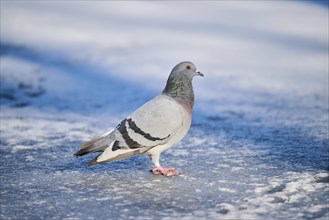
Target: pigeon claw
point(165, 171)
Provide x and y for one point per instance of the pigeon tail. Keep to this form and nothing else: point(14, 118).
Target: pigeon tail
point(98, 144)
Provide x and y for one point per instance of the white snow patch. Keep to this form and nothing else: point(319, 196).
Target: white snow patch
point(22, 147)
point(226, 190)
point(29, 158)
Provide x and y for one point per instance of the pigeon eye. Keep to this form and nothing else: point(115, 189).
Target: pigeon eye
point(188, 67)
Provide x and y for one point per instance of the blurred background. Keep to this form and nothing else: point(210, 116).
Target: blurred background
point(70, 70)
point(256, 43)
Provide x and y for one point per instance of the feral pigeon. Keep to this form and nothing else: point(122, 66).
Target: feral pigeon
point(154, 127)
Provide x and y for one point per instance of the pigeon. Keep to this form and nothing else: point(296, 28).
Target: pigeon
point(154, 127)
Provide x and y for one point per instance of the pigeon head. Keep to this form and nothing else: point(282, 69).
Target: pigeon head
point(187, 68)
point(179, 84)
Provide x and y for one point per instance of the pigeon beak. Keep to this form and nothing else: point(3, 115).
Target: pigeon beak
point(199, 73)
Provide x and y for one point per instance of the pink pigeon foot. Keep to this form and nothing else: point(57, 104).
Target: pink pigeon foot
point(165, 171)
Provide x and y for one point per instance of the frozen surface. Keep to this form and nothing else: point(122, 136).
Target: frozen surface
point(258, 145)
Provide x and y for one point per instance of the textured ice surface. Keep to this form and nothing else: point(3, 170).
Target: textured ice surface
point(258, 145)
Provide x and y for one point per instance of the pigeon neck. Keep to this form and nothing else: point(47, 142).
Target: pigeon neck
point(179, 87)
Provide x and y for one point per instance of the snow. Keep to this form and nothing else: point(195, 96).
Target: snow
point(258, 145)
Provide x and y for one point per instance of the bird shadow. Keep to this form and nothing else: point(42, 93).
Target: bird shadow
point(81, 164)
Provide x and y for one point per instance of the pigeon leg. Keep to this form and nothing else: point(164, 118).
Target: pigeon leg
point(159, 170)
point(165, 171)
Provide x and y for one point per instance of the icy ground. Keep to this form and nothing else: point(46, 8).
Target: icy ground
point(258, 145)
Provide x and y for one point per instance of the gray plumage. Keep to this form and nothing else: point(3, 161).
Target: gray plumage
point(154, 127)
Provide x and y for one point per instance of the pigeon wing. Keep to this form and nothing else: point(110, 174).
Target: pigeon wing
point(150, 125)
